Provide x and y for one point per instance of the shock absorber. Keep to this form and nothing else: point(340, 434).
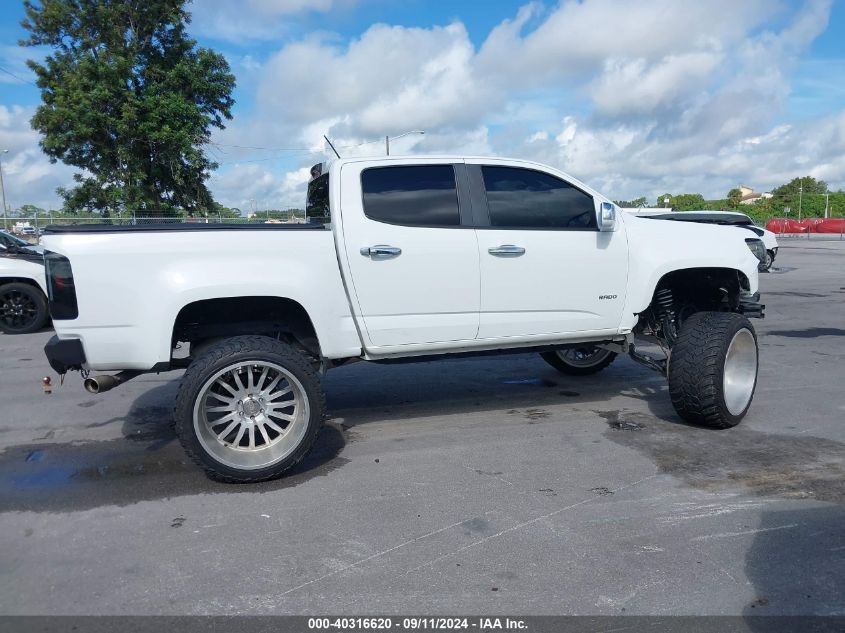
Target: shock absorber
point(665, 308)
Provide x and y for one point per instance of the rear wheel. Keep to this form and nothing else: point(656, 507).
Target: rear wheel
point(23, 308)
point(713, 369)
point(249, 408)
point(579, 361)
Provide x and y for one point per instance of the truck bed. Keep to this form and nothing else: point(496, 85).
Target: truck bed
point(177, 226)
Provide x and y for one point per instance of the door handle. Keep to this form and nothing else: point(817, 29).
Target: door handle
point(506, 250)
point(381, 251)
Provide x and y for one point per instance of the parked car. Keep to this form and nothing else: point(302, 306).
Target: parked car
point(403, 258)
point(23, 287)
point(728, 218)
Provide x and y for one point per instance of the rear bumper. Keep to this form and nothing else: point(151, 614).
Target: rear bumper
point(64, 354)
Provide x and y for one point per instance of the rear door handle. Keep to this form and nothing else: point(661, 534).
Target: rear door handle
point(381, 251)
point(506, 250)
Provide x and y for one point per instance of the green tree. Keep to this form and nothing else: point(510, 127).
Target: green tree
point(808, 183)
point(636, 203)
point(683, 202)
point(219, 210)
point(130, 99)
point(735, 197)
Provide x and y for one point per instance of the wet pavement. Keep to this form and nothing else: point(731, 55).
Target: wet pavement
point(488, 485)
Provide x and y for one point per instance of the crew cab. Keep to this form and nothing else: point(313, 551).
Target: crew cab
point(23, 288)
point(402, 258)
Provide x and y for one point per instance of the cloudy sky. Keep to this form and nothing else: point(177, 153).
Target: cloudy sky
point(636, 97)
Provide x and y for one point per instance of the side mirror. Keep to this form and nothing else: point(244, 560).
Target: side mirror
point(607, 217)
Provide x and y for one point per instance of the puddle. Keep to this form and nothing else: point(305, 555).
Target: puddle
point(813, 332)
point(628, 422)
point(795, 293)
point(536, 414)
point(60, 477)
point(35, 456)
point(540, 382)
point(765, 464)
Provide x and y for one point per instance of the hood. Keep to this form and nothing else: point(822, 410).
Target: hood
point(29, 253)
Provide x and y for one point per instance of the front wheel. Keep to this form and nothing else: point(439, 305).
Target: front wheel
point(766, 265)
point(249, 408)
point(579, 361)
point(713, 369)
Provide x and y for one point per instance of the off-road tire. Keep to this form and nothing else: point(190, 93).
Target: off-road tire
point(697, 368)
point(32, 295)
point(554, 359)
point(229, 352)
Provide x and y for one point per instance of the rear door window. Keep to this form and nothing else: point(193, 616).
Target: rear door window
point(411, 195)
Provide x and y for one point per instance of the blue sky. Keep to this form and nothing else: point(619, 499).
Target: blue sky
point(636, 97)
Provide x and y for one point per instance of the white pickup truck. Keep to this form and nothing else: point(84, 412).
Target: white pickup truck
point(402, 257)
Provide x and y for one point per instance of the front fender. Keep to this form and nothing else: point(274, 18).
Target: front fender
point(659, 247)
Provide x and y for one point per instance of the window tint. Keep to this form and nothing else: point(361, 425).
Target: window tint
point(417, 195)
point(524, 198)
point(317, 204)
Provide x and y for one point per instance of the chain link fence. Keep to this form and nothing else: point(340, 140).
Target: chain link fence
point(31, 227)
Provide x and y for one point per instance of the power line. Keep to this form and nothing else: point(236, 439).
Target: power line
point(291, 149)
point(9, 72)
point(269, 149)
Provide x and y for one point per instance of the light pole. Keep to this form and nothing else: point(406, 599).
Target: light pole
point(3, 188)
point(387, 139)
point(800, 195)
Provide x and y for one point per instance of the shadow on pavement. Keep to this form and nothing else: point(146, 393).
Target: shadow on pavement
point(147, 463)
point(796, 564)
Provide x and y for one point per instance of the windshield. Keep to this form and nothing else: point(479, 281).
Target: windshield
point(7, 239)
point(317, 207)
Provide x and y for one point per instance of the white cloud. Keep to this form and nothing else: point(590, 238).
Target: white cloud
point(634, 86)
point(244, 21)
point(636, 97)
point(28, 175)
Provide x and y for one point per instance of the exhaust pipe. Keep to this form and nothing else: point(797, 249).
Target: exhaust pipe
point(101, 384)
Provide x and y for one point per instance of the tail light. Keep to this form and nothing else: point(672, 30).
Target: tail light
point(60, 288)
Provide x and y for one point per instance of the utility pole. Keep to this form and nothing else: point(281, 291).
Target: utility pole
point(800, 194)
point(826, 203)
point(3, 188)
point(387, 139)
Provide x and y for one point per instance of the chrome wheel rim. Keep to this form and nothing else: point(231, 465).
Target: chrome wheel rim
point(251, 415)
point(583, 356)
point(17, 310)
point(740, 375)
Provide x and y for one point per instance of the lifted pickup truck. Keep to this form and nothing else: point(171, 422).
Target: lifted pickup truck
point(403, 257)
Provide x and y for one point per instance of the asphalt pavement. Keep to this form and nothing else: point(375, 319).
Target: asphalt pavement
point(486, 485)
